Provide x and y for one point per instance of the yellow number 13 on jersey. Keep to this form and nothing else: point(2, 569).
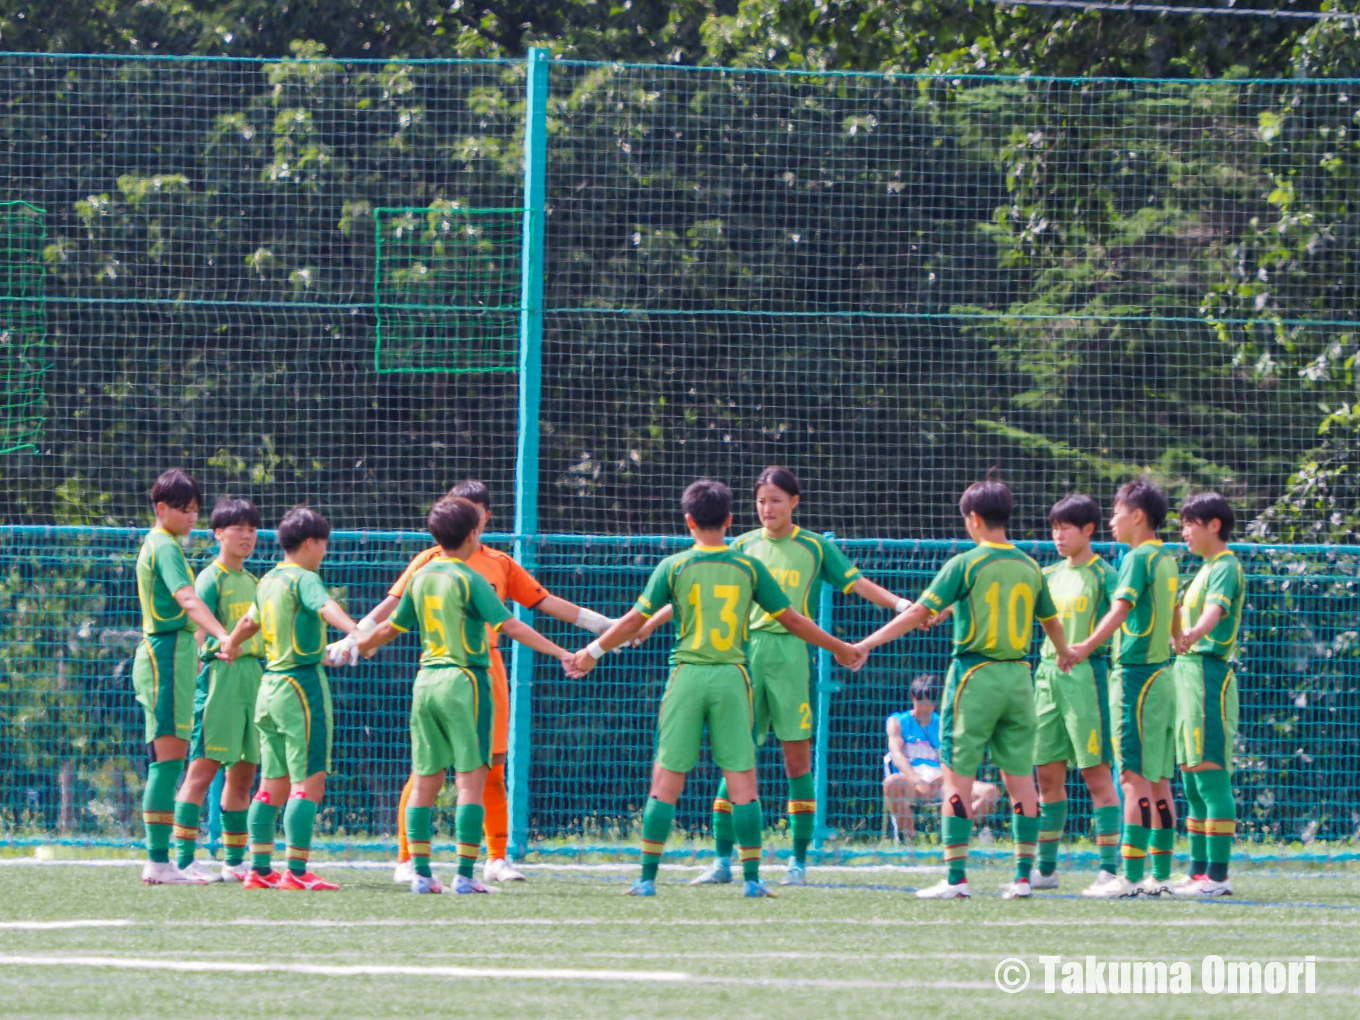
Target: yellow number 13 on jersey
point(729, 593)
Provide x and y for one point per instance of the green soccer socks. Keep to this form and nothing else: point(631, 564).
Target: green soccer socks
point(1107, 824)
point(234, 838)
point(723, 834)
point(657, 817)
point(1163, 842)
point(1220, 823)
point(260, 823)
point(746, 822)
point(186, 832)
point(418, 837)
point(1052, 819)
point(956, 829)
point(802, 814)
point(158, 807)
point(1195, 824)
point(298, 820)
point(468, 822)
point(1025, 832)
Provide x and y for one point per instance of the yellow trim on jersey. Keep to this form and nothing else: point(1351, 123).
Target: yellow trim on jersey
point(497, 628)
point(1138, 709)
point(777, 615)
point(398, 627)
point(447, 559)
point(998, 545)
point(711, 548)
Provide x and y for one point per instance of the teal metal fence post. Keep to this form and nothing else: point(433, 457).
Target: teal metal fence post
point(526, 460)
point(826, 686)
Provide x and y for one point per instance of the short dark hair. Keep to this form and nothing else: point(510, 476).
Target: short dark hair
point(230, 510)
point(176, 488)
point(1141, 494)
point(1076, 509)
point(474, 491)
point(1204, 507)
point(452, 520)
point(300, 524)
point(990, 499)
point(780, 478)
point(926, 687)
point(708, 501)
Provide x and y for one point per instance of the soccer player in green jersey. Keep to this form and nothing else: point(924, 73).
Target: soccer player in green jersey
point(1206, 691)
point(164, 667)
point(1142, 698)
point(996, 591)
point(224, 735)
point(712, 588)
point(452, 708)
point(1073, 709)
point(802, 562)
point(293, 710)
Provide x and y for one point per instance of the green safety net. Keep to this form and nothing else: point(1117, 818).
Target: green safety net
point(72, 760)
point(23, 326)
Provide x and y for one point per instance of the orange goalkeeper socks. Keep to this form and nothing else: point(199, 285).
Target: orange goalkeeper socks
point(403, 845)
point(497, 823)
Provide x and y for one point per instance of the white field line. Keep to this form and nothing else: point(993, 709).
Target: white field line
point(667, 977)
point(602, 922)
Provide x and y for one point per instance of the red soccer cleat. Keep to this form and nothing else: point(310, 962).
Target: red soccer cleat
point(306, 881)
point(254, 880)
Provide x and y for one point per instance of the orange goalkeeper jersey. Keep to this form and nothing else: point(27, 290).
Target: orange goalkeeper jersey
point(511, 581)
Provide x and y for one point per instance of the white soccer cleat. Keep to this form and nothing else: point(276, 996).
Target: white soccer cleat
point(942, 890)
point(1102, 877)
point(498, 869)
point(1150, 886)
point(208, 875)
point(235, 872)
point(1038, 881)
point(1017, 890)
point(1180, 884)
point(1203, 885)
point(1117, 888)
point(166, 873)
point(404, 872)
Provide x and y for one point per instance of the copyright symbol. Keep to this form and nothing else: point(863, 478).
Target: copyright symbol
point(1012, 975)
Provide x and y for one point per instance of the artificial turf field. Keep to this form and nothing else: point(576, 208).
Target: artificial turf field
point(78, 941)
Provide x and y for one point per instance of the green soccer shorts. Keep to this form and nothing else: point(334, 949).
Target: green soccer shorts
point(453, 716)
point(293, 715)
point(1206, 710)
point(163, 674)
point(718, 696)
point(1143, 720)
point(1067, 709)
point(224, 712)
point(987, 704)
point(780, 685)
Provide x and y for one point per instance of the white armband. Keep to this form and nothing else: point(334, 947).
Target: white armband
point(253, 613)
point(596, 623)
point(596, 650)
point(902, 606)
point(367, 624)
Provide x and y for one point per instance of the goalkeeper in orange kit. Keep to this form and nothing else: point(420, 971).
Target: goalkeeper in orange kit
point(512, 583)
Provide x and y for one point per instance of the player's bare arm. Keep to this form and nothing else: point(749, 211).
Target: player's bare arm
point(624, 629)
point(905, 623)
point(1208, 620)
point(1113, 620)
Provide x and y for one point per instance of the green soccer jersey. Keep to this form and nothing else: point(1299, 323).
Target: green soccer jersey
point(290, 600)
point(713, 589)
point(1081, 595)
point(162, 570)
point(1147, 581)
point(801, 562)
point(453, 605)
point(1221, 582)
point(997, 590)
point(229, 594)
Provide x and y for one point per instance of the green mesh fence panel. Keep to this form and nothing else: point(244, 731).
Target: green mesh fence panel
point(210, 278)
point(447, 292)
point(72, 762)
point(23, 326)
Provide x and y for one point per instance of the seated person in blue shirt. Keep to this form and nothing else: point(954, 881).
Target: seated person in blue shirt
point(911, 768)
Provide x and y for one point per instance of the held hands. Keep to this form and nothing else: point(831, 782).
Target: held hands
point(344, 652)
point(1076, 654)
point(569, 666)
point(583, 662)
point(215, 649)
point(852, 657)
point(1180, 643)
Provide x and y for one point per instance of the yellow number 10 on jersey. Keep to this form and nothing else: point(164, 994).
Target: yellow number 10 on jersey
point(1018, 622)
